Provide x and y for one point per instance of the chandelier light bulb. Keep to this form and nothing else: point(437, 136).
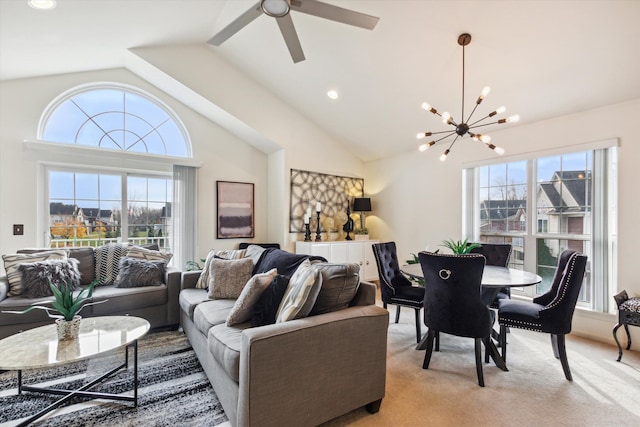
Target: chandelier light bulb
point(501, 110)
point(499, 151)
point(485, 138)
point(420, 135)
point(485, 91)
point(513, 119)
point(426, 106)
point(445, 117)
point(444, 156)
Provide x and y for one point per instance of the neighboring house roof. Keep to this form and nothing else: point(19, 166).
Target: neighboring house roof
point(501, 209)
point(58, 208)
point(568, 191)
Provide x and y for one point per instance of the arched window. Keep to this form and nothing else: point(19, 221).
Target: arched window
point(114, 117)
point(91, 200)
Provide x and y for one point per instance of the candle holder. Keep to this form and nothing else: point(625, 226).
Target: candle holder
point(307, 233)
point(318, 237)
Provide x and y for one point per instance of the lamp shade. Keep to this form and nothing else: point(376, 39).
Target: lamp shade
point(362, 204)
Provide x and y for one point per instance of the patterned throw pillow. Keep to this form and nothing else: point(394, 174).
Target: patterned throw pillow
point(12, 262)
point(243, 307)
point(136, 273)
point(139, 252)
point(203, 280)
point(36, 276)
point(266, 309)
point(227, 277)
point(340, 283)
point(108, 262)
point(301, 293)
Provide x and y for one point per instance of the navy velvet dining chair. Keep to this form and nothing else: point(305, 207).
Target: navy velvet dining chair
point(453, 303)
point(551, 312)
point(496, 254)
point(395, 288)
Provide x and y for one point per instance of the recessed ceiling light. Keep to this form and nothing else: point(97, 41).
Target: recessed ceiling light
point(42, 4)
point(332, 94)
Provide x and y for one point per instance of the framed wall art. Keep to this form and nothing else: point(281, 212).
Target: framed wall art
point(235, 209)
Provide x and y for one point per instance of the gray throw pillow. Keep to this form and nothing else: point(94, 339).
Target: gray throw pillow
point(243, 308)
point(136, 273)
point(340, 283)
point(36, 276)
point(227, 277)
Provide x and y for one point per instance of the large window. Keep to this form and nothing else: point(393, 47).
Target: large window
point(545, 205)
point(90, 201)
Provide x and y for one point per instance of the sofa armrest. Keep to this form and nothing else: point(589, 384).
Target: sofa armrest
point(189, 279)
point(366, 294)
point(285, 366)
point(4, 287)
point(172, 278)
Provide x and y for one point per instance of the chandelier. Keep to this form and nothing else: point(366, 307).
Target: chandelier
point(465, 126)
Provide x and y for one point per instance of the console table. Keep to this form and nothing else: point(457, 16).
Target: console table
point(342, 251)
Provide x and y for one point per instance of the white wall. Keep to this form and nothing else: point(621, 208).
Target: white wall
point(418, 199)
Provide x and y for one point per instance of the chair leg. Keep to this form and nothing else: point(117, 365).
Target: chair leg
point(397, 313)
point(418, 329)
point(384, 305)
point(478, 342)
point(626, 329)
point(437, 340)
point(554, 345)
point(486, 350)
point(503, 340)
point(427, 355)
point(563, 357)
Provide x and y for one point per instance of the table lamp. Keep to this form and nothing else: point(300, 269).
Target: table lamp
point(362, 205)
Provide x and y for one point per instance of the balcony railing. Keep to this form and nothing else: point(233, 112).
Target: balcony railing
point(163, 242)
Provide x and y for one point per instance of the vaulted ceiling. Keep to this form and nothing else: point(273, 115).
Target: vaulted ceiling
point(541, 58)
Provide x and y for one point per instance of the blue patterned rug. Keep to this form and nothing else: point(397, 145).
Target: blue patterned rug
point(173, 390)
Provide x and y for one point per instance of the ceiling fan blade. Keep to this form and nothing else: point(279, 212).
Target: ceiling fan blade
point(335, 13)
point(291, 37)
point(236, 25)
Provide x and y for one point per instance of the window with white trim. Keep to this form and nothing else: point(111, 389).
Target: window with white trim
point(90, 204)
point(546, 204)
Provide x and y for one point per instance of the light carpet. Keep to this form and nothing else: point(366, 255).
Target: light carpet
point(173, 390)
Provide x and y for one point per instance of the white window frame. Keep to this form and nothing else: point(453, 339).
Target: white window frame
point(603, 235)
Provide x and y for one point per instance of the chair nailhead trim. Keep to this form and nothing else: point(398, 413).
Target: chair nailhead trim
point(573, 260)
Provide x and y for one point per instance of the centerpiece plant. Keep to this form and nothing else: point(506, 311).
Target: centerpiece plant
point(460, 247)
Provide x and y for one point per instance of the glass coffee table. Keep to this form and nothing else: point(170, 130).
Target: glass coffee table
point(40, 348)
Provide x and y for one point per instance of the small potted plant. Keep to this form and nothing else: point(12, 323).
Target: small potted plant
point(362, 234)
point(66, 307)
point(459, 247)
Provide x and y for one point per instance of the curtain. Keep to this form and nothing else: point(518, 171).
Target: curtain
point(184, 214)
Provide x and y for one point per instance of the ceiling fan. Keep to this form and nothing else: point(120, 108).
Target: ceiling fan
point(280, 9)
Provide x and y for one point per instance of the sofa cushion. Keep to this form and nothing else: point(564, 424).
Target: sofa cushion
point(37, 276)
point(339, 285)
point(122, 299)
point(266, 308)
point(136, 272)
point(224, 343)
point(13, 261)
point(20, 303)
point(140, 252)
point(203, 280)
point(227, 277)
point(189, 298)
point(301, 293)
point(243, 307)
point(210, 313)
point(86, 261)
point(108, 262)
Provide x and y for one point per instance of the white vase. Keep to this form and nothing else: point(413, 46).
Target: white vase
point(68, 329)
point(362, 237)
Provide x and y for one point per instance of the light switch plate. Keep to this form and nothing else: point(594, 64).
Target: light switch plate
point(18, 229)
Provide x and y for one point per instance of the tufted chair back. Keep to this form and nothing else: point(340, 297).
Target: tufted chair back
point(388, 270)
point(560, 301)
point(495, 253)
point(452, 301)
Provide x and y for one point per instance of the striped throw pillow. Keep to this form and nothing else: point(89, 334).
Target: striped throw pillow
point(203, 280)
point(301, 293)
point(139, 252)
point(108, 262)
point(12, 262)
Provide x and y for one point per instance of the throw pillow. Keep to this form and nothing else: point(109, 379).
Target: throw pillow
point(203, 280)
point(254, 252)
point(243, 307)
point(301, 293)
point(227, 277)
point(108, 262)
point(12, 262)
point(136, 273)
point(340, 283)
point(36, 276)
point(266, 309)
point(148, 254)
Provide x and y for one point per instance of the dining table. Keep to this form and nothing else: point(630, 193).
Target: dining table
point(494, 278)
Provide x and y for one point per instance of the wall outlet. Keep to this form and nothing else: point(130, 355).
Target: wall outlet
point(18, 229)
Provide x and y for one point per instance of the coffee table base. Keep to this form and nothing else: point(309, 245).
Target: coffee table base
point(82, 391)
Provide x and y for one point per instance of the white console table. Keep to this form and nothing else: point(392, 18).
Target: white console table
point(354, 251)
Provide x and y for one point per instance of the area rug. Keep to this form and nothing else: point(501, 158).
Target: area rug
point(173, 390)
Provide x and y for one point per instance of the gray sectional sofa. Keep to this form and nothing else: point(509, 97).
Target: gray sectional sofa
point(158, 304)
point(301, 372)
